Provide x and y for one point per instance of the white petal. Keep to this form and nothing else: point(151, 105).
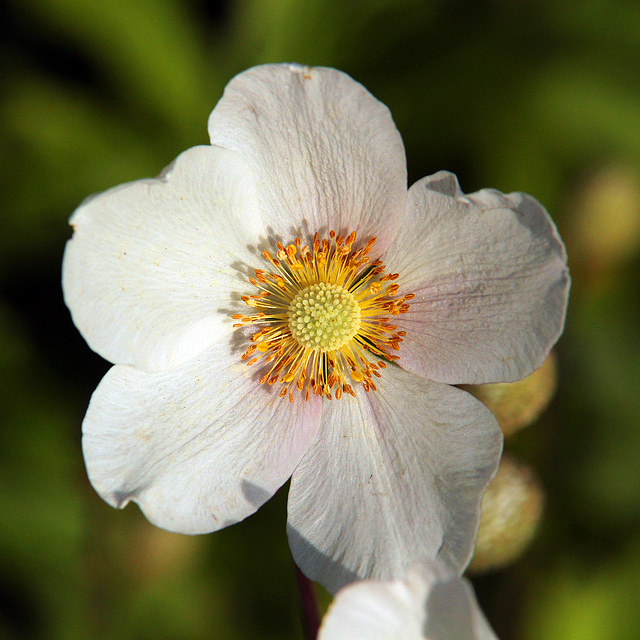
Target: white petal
point(152, 265)
point(394, 477)
point(491, 283)
point(198, 447)
point(431, 603)
point(326, 153)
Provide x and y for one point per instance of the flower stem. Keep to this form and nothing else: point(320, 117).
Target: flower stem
point(309, 604)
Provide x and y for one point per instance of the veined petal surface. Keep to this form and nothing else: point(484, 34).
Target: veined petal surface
point(431, 603)
point(491, 283)
point(326, 153)
point(198, 447)
point(152, 266)
point(394, 477)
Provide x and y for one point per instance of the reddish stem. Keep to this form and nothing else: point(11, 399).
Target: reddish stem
point(309, 604)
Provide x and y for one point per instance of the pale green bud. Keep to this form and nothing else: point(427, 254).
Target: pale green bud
point(511, 511)
point(517, 404)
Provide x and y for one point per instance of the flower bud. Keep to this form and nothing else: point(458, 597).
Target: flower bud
point(606, 218)
point(511, 511)
point(518, 404)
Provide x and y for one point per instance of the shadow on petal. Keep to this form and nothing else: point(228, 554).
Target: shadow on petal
point(449, 614)
point(255, 495)
point(120, 499)
point(314, 563)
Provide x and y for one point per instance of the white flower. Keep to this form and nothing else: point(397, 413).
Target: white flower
point(431, 603)
point(201, 421)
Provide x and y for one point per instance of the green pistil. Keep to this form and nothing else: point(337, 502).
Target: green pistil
point(324, 317)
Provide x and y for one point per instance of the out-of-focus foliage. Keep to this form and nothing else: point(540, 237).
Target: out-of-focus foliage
point(519, 95)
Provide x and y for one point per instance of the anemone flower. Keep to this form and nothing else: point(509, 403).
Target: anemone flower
point(278, 305)
point(430, 603)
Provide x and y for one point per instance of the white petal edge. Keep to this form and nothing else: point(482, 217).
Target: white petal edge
point(491, 282)
point(326, 153)
point(152, 267)
point(198, 447)
point(430, 603)
point(394, 477)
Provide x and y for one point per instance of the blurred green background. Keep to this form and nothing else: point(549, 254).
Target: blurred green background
point(541, 96)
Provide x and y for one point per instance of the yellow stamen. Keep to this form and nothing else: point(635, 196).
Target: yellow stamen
point(322, 312)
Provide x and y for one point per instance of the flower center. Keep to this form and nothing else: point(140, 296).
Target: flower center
point(324, 317)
